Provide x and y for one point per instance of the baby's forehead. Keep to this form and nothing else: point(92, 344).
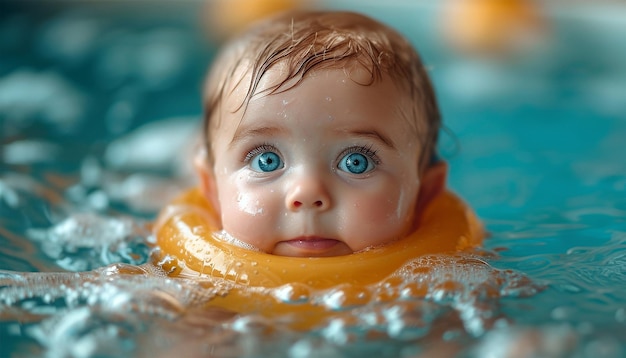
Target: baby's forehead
point(319, 86)
point(277, 85)
point(249, 82)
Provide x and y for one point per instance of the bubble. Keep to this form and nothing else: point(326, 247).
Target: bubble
point(310, 348)
point(250, 324)
point(86, 241)
point(292, 293)
point(337, 332)
point(345, 297)
point(547, 341)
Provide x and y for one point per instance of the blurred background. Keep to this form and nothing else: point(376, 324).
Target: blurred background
point(91, 72)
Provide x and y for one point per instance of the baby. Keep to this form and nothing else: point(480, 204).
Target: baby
point(320, 129)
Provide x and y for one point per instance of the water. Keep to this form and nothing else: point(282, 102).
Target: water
point(96, 102)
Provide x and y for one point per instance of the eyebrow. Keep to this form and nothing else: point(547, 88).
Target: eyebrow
point(242, 133)
point(371, 133)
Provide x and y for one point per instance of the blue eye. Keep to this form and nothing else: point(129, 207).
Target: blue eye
point(266, 162)
point(356, 163)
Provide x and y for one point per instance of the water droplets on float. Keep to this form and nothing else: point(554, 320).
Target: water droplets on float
point(199, 230)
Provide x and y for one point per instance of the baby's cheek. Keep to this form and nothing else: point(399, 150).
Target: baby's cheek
point(250, 204)
point(246, 219)
point(386, 213)
point(364, 212)
point(383, 210)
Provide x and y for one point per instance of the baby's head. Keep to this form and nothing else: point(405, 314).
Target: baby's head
point(319, 130)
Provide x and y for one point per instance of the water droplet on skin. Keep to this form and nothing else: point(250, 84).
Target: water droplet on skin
point(246, 205)
point(282, 114)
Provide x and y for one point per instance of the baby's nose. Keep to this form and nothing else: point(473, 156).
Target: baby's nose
point(308, 194)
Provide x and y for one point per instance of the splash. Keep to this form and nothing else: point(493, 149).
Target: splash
point(101, 312)
point(121, 308)
point(85, 241)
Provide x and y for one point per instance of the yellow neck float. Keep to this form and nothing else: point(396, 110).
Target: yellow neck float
point(270, 285)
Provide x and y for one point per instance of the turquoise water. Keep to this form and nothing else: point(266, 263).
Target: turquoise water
point(97, 100)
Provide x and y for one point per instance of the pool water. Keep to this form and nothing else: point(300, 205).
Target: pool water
point(98, 98)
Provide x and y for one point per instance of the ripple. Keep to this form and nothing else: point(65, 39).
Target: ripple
point(85, 241)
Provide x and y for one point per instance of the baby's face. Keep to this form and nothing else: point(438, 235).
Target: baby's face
point(327, 168)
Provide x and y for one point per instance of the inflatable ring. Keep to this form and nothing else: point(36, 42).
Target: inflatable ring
point(183, 232)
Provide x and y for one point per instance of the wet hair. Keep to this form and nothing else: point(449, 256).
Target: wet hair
point(303, 41)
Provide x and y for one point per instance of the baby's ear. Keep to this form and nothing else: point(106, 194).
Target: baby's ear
point(432, 183)
point(206, 177)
